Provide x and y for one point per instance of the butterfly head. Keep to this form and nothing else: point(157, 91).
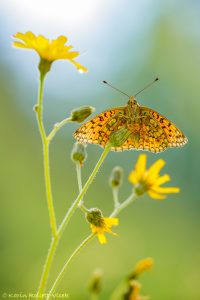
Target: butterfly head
point(132, 102)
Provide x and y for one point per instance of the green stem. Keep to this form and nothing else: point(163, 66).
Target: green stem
point(120, 288)
point(45, 144)
point(116, 211)
point(83, 191)
point(118, 291)
point(52, 218)
point(78, 173)
point(47, 266)
point(56, 127)
point(116, 197)
point(72, 210)
point(80, 186)
point(124, 204)
point(94, 296)
point(54, 244)
point(62, 272)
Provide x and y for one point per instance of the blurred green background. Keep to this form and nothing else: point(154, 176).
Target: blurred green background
point(127, 43)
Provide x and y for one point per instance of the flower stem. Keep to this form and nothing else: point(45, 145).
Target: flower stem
point(62, 272)
point(78, 173)
point(118, 291)
point(94, 297)
point(79, 179)
point(116, 211)
point(83, 191)
point(124, 204)
point(45, 144)
point(56, 127)
point(56, 239)
point(115, 191)
point(72, 210)
point(47, 266)
point(52, 218)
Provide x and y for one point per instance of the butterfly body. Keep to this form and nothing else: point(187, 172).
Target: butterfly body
point(146, 129)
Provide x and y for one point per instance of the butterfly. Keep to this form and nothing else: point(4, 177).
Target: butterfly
point(147, 129)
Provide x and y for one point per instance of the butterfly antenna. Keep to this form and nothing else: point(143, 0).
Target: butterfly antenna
point(148, 85)
point(115, 88)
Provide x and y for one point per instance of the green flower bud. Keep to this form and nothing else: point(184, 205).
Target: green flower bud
point(36, 108)
point(118, 137)
point(116, 177)
point(79, 153)
point(81, 113)
point(95, 285)
point(95, 217)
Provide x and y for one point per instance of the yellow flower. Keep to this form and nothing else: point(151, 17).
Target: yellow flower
point(143, 265)
point(134, 290)
point(49, 51)
point(149, 180)
point(135, 286)
point(104, 226)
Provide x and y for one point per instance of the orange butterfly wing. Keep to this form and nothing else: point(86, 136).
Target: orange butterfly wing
point(98, 129)
point(157, 133)
point(149, 131)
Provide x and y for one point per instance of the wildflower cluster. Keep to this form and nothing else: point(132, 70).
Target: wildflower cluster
point(129, 288)
point(144, 180)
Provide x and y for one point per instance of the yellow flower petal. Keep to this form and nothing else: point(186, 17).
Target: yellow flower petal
point(110, 231)
point(166, 190)
point(162, 179)
point(79, 67)
point(111, 221)
point(20, 45)
point(154, 170)
point(93, 228)
point(102, 238)
point(133, 177)
point(25, 37)
point(136, 176)
point(61, 40)
point(140, 167)
point(155, 195)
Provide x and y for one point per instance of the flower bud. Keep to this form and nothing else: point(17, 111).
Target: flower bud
point(95, 217)
point(143, 265)
point(96, 282)
point(116, 177)
point(36, 108)
point(79, 153)
point(118, 137)
point(81, 113)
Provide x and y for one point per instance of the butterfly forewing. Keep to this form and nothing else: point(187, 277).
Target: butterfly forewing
point(98, 129)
